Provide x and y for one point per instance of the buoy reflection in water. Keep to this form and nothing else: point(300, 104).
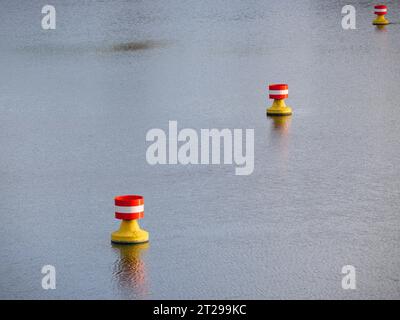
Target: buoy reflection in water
point(129, 270)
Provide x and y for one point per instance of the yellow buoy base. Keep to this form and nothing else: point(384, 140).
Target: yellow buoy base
point(380, 20)
point(130, 233)
point(279, 108)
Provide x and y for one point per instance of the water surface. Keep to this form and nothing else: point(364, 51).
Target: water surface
point(76, 104)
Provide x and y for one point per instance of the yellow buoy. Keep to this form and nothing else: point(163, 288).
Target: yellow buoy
point(380, 11)
point(279, 92)
point(129, 209)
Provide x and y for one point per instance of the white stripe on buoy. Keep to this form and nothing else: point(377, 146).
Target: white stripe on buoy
point(278, 92)
point(380, 10)
point(134, 209)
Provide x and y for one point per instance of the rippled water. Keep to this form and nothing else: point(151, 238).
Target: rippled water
point(76, 104)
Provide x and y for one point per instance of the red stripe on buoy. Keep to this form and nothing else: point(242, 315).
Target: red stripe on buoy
point(278, 91)
point(129, 200)
point(131, 216)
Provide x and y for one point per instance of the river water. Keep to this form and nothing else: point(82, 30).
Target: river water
point(76, 104)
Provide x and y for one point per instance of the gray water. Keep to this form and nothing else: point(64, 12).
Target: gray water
point(76, 104)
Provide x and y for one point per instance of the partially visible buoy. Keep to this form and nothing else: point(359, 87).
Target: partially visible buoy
point(380, 11)
point(129, 208)
point(279, 92)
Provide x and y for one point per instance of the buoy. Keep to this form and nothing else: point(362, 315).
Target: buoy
point(380, 11)
point(129, 208)
point(279, 92)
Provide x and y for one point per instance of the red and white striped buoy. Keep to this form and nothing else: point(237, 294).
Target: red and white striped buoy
point(279, 92)
point(129, 207)
point(380, 10)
